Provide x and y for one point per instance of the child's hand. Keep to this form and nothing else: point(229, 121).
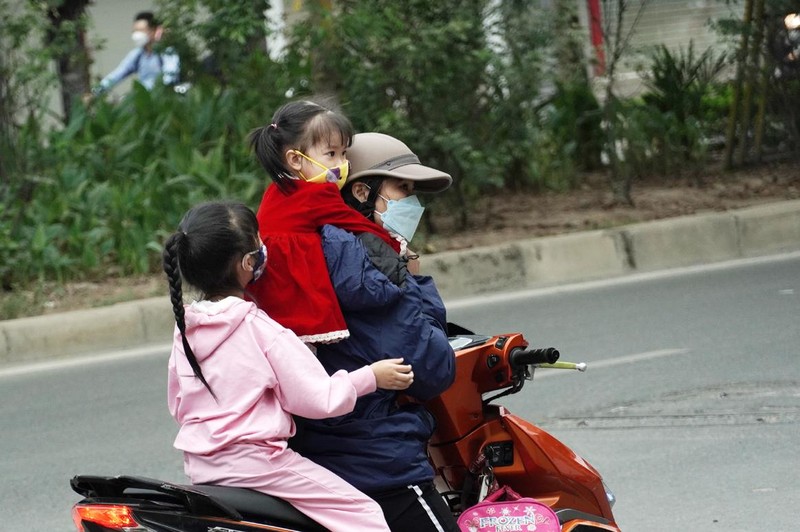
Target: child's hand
point(391, 374)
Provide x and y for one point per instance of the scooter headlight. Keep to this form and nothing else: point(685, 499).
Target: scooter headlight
point(612, 499)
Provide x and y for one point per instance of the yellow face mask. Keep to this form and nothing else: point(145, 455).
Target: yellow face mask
point(337, 174)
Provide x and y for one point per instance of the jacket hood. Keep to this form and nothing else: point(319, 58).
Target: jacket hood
point(210, 323)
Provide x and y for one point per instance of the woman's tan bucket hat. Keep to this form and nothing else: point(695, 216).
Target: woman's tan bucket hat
point(377, 154)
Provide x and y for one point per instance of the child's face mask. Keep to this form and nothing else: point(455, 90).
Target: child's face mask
point(261, 262)
point(337, 174)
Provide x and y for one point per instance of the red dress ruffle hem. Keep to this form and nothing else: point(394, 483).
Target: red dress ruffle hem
point(295, 289)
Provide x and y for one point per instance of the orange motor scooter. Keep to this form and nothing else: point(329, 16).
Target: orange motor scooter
point(509, 449)
point(478, 444)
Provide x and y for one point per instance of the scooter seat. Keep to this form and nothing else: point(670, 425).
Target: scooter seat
point(260, 507)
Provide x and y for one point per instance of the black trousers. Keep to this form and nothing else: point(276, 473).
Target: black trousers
point(416, 508)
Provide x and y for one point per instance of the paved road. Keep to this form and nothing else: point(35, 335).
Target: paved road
point(691, 403)
point(690, 407)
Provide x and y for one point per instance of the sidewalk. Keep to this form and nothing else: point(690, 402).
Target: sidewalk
point(521, 264)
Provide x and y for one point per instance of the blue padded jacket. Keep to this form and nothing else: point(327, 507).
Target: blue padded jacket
point(381, 445)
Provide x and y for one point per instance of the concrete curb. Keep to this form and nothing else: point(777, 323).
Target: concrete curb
point(583, 256)
point(670, 243)
point(68, 334)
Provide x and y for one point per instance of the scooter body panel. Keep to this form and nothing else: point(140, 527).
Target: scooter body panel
point(522, 456)
point(160, 506)
point(578, 484)
point(480, 368)
point(535, 465)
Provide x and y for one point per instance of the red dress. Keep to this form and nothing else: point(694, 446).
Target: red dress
point(295, 289)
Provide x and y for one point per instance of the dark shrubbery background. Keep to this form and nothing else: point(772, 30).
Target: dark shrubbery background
point(471, 91)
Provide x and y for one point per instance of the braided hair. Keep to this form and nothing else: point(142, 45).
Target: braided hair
point(210, 242)
point(296, 125)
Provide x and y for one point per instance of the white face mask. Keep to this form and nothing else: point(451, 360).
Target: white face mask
point(402, 216)
point(140, 38)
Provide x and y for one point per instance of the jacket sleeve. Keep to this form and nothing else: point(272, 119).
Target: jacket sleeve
point(305, 389)
point(424, 331)
point(411, 319)
point(125, 68)
point(432, 303)
point(384, 258)
point(358, 284)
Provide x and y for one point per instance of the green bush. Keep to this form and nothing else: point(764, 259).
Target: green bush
point(104, 189)
point(685, 105)
point(120, 176)
point(465, 83)
point(570, 134)
point(414, 70)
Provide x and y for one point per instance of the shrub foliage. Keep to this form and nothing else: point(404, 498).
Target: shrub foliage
point(470, 85)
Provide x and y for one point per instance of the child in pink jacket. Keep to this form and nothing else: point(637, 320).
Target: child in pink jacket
point(236, 376)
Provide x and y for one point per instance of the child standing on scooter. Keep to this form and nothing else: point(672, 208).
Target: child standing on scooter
point(236, 376)
point(303, 150)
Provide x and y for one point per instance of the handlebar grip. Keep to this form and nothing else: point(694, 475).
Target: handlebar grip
point(523, 357)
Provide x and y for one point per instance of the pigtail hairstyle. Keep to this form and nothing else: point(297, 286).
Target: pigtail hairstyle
point(296, 125)
point(171, 268)
point(205, 251)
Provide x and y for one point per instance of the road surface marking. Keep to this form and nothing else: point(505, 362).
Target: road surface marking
point(36, 367)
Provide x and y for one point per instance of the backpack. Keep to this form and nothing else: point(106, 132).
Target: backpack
point(505, 509)
point(170, 75)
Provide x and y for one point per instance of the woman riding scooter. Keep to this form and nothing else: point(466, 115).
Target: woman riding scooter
point(390, 311)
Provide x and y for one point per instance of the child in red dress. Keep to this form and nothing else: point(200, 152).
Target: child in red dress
point(304, 151)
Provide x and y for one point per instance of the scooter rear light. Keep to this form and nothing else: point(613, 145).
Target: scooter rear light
point(110, 516)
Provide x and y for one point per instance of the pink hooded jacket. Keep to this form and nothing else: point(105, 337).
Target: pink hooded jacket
point(260, 372)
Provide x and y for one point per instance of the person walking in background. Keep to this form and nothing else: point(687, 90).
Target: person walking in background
point(146, 61)
point(236, 376)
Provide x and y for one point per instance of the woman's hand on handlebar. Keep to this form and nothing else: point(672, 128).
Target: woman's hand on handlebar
point(392, 374)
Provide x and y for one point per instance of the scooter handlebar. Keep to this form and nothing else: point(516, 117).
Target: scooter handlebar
point(524, 357)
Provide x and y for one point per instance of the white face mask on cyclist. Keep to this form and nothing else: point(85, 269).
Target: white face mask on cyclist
point(140, 38)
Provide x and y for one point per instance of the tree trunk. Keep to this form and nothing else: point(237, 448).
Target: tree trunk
point(763, 88)
point(67, 37)
point(463, 207)
point(615, 45)
point(750, 80)
point(741, 62)
point(570, 58)
point(6, 117)
point(620, 175)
